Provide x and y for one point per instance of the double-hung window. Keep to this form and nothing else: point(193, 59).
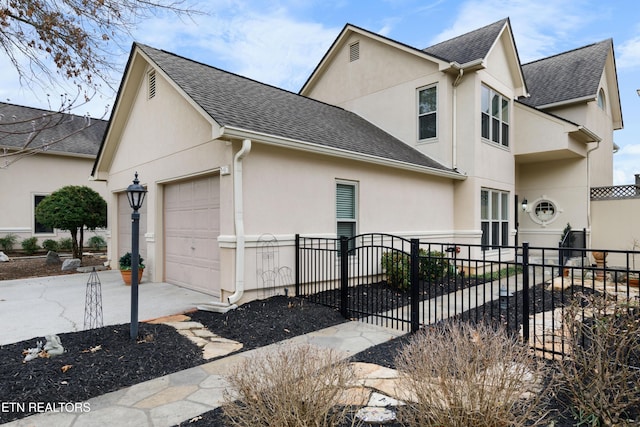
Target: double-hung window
point(494, 116)
point(346, 209)
point(494, 218)
point(427, 112)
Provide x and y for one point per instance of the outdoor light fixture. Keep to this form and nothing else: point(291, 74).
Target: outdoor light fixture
point(524, 204)
point(135, 195)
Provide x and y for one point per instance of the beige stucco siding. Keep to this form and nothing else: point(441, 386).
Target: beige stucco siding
point(41, 174)
point(288, 191)
point(165, 139)
point(561, 182)
point(615, 226)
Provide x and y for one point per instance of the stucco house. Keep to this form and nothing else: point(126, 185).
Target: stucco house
point(441, 144)
point(42, 151)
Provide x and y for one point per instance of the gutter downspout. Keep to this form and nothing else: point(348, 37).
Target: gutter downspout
point(454, 133)
point(239, 219)
point(589, 187)
point(221, 307)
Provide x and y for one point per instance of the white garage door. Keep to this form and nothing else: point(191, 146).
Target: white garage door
point(191, 229)
point(124, 227)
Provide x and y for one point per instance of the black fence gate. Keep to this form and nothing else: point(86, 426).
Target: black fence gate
point(406, 284)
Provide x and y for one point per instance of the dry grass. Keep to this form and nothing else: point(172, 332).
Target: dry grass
point(599, 377)
point(291, 386)
point(459, 375)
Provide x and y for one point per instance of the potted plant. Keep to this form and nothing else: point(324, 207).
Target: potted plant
point(125, 268)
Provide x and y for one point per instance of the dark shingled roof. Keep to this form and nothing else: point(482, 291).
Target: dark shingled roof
point(571, 75)
point(236, 101)
point(470, 46)
point(55, 132)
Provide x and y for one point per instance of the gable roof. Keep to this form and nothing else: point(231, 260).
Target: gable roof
point(52, 132)
point(566, 77)
point(470, 46)
point(238, 102)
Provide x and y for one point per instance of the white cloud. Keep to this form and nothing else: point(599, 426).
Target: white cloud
point(628, 53)
point(271, 47)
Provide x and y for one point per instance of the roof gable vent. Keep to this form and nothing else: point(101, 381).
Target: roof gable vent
point(151, 84)
point(354, 51)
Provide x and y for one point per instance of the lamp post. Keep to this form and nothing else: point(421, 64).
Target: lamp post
point(135, 195)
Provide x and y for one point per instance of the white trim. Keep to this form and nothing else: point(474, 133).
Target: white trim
point(232, 132)
point(418, 115)
point(15, 229)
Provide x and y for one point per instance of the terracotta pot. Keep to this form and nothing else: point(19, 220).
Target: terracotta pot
point(634, 282)
point(126, 276)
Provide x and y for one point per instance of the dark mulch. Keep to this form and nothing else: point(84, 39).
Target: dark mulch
point(160, 350)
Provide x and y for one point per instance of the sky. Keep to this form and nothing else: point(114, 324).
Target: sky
point(281, 42)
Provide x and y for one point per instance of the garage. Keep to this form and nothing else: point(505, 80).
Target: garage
point(191, 230)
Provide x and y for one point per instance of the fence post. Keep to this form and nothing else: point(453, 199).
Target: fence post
point(415, 285)
point(297, 265)
point(344, 276)
point(525, 291)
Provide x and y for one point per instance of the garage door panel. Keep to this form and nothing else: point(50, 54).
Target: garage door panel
point(192, 227)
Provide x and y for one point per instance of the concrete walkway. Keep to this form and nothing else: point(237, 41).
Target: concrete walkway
point(50, 305)
point(183, 395)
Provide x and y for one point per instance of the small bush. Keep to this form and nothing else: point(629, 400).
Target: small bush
point(30, 245)
point(601, 376)
point(8, 242)
point(459, 375)
point(50, 245)
point(65, 244)
point(96, 242)
point(290, 386)
point(397, 265)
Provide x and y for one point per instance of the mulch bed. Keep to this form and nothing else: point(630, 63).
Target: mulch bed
point(86, 370)
point(27, 267)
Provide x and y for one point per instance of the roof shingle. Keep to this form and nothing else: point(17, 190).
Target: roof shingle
point(233, 100)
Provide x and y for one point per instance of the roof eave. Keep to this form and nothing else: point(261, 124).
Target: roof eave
point(238, 133)
point(567, 102)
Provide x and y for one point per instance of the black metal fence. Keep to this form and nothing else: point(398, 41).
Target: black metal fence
point(406, 284)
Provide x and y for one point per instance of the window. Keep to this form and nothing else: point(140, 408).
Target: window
point(494, 116)
point(427, 112)
point(151, 81)
point(602, 101)
point(545, 210)
point(494, 213)
point(37, 227)
point(346, 209)
point(354, 51)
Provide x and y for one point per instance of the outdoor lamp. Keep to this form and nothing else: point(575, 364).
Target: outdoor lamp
point(524, 204)
point(135, 194)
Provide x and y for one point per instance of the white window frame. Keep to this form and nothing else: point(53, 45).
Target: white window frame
point(421, 114)
point(494, 218)
point(495, 116)
point(602, 100)
point(353, 217)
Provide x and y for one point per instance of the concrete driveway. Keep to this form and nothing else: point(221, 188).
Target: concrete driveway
point(33, 308)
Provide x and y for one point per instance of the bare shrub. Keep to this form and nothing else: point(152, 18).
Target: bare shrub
point(461, 375)
point(290, 386)
point(601, 375)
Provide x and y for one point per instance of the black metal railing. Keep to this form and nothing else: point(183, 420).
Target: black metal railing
point(407, 284)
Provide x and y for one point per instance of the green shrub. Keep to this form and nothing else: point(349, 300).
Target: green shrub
point(8, 242)
point(397, 265)
point(30, 245)
point(96, 242)
point(65, 244)
point(50, 245)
